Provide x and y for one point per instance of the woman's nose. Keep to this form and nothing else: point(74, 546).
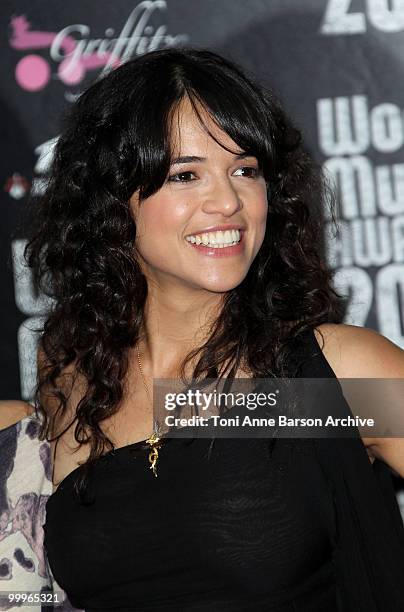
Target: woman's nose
point(222, 198)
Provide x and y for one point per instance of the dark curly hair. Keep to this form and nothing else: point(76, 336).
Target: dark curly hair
point(115, 141)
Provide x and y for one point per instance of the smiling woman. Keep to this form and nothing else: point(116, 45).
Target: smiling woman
point(188, 223)
point(180, 237)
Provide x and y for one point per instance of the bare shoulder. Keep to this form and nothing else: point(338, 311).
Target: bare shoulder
point(65, 451)
point(12, 411)
point(69, 382)
point(359, 352)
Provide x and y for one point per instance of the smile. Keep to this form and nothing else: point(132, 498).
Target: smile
point(218, 244)
point(216, 240)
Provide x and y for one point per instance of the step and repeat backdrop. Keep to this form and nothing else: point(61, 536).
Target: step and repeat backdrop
point(337, 65)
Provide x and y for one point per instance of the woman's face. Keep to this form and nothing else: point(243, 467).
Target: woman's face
point(177, 239)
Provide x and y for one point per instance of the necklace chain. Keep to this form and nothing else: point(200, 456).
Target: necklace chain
point(155, 440)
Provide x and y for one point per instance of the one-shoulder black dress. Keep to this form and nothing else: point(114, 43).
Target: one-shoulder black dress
point(246, 524)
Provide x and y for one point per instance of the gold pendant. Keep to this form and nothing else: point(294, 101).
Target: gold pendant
point(155, 442)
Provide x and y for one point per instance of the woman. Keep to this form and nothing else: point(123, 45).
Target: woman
point(179, 236)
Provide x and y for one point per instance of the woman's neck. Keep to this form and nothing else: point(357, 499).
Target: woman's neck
point(172, 328)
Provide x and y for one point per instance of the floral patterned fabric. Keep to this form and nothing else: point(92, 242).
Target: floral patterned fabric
point(25, 486)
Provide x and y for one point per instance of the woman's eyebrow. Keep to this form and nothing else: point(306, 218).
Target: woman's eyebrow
point(194, 158)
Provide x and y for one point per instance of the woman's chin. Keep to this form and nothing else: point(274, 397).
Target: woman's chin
point(221, 285)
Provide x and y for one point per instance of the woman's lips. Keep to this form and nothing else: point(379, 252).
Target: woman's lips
point(216, 252)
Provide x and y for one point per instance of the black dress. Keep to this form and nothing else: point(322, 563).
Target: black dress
point(254, 524)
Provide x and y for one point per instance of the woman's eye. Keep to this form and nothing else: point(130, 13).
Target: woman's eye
point(175, 178)
point(253, 172)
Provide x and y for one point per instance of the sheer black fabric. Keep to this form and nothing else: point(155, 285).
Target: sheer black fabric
point(243, 524)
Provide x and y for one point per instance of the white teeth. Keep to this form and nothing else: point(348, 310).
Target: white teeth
point(217, 239)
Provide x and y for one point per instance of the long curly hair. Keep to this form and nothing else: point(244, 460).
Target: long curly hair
point(116, 140)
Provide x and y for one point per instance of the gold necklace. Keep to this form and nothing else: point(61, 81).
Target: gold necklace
point(155, 440)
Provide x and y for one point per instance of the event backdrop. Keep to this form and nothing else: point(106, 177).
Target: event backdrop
point(336, 64)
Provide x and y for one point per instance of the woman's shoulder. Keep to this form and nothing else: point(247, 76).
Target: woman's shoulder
point(359, 352)
point(12, 411)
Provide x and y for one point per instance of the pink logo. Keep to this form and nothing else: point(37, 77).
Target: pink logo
point(76, 53)
point(33, 72)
